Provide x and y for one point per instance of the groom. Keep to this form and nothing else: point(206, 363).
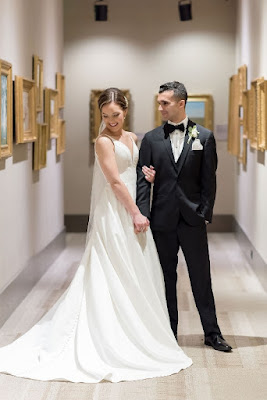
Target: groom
point(184, 157)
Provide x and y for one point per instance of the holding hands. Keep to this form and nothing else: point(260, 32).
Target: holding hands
point(141, 223)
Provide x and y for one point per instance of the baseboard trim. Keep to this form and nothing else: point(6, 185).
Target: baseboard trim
point(220, 223)
point(257, 263)
point(19, 288)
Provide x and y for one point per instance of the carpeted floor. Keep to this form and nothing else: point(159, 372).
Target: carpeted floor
point(241, 309)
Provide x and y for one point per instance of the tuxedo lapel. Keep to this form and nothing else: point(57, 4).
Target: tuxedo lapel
point(168, 146)
point(186, 148)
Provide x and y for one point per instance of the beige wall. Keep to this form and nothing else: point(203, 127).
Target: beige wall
point(251, 183)
point(141, 46)
point(31, 203)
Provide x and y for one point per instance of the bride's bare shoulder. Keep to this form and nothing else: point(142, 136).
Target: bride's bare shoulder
point(133, 135)
point(103, 143)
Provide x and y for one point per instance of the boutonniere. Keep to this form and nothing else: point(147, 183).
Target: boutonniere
point(192, 132)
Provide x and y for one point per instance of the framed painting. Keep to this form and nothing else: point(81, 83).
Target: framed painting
point(262, 115)
point(95, 116)
point(254, 113)
point(25, 110)
point(233, 117)
point(37, 76)
point(199, 108)
point(40, 147)
point(61, 140)
point(6, 115)
point(60, 85)
point(51, 112)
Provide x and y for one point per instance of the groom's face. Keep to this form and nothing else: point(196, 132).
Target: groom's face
point(171, 108)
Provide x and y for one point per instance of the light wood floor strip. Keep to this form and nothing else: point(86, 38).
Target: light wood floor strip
point(241, 308)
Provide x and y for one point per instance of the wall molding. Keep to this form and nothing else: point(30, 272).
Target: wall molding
point(19, 288)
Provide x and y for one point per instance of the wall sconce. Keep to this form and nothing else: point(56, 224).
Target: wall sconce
point(101, 10)
point(185, 10)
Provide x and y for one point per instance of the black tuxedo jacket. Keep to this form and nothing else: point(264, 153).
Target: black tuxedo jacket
point(187, 187)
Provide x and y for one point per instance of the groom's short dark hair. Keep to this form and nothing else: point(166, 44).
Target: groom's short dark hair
point(179, 90)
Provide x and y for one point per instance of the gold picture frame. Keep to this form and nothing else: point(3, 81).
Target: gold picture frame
point(38, 77)
point(199, 108)
point(6, 114)
point(60, 85)
point(40, 147)
point(242, 78)
point(25, 110)
point(242, 102)
point(61, 140)
point(262, 115)
point(233, 142)
point(95, 116)
point(51, 112)
point(254, 113)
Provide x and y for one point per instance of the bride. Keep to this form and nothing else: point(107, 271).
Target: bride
point(112, 323)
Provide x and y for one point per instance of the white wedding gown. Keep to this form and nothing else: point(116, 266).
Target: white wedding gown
point(112, 322)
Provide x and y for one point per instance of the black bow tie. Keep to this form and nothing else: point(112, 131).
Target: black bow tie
point(169, 128)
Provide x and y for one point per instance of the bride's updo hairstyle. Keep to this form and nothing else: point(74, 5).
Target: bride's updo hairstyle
point(112, 95)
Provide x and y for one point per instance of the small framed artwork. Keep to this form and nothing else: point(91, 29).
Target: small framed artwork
point(25, 110)
point(233, 117)
point(199, 108)
point(60, 85)
point(262, 115)
point(51, 112)
point(95, 116)
point(40, 147)
point(6, 115)
point(37, 75)
point(61, 140)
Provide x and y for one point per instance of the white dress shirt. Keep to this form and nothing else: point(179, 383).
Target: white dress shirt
point(177, 139)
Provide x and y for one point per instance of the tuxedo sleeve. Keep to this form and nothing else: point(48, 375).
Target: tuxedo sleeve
point(208, 177)
point(143, 189)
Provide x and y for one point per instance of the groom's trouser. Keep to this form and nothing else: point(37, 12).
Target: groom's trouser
point(194, 244)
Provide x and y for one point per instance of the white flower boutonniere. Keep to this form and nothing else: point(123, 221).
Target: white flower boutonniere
point(192, 132)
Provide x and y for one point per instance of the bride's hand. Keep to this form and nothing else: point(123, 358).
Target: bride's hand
point(149, 173)
point(141, 223)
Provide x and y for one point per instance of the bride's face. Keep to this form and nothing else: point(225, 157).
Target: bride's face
point(113, 116)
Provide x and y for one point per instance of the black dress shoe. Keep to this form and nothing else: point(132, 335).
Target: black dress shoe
point(217, 342)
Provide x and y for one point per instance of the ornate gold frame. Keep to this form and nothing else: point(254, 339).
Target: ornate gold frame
point(23, 113)
point(6, 149)
point(38, 77)
point(60, 85)
point(254, 113)
point(242, 102)
point(233, 116)
point(51, 119)
point(262, 115)
point(205, 98)
point(61, 140)
point(40, 147)
point(95, 116)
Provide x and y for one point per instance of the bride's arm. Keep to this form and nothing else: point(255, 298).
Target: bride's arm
point(106, 156)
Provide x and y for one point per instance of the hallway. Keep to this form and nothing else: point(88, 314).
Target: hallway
point(241, 309)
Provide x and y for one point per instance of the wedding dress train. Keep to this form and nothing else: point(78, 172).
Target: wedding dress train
point(112, 322)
